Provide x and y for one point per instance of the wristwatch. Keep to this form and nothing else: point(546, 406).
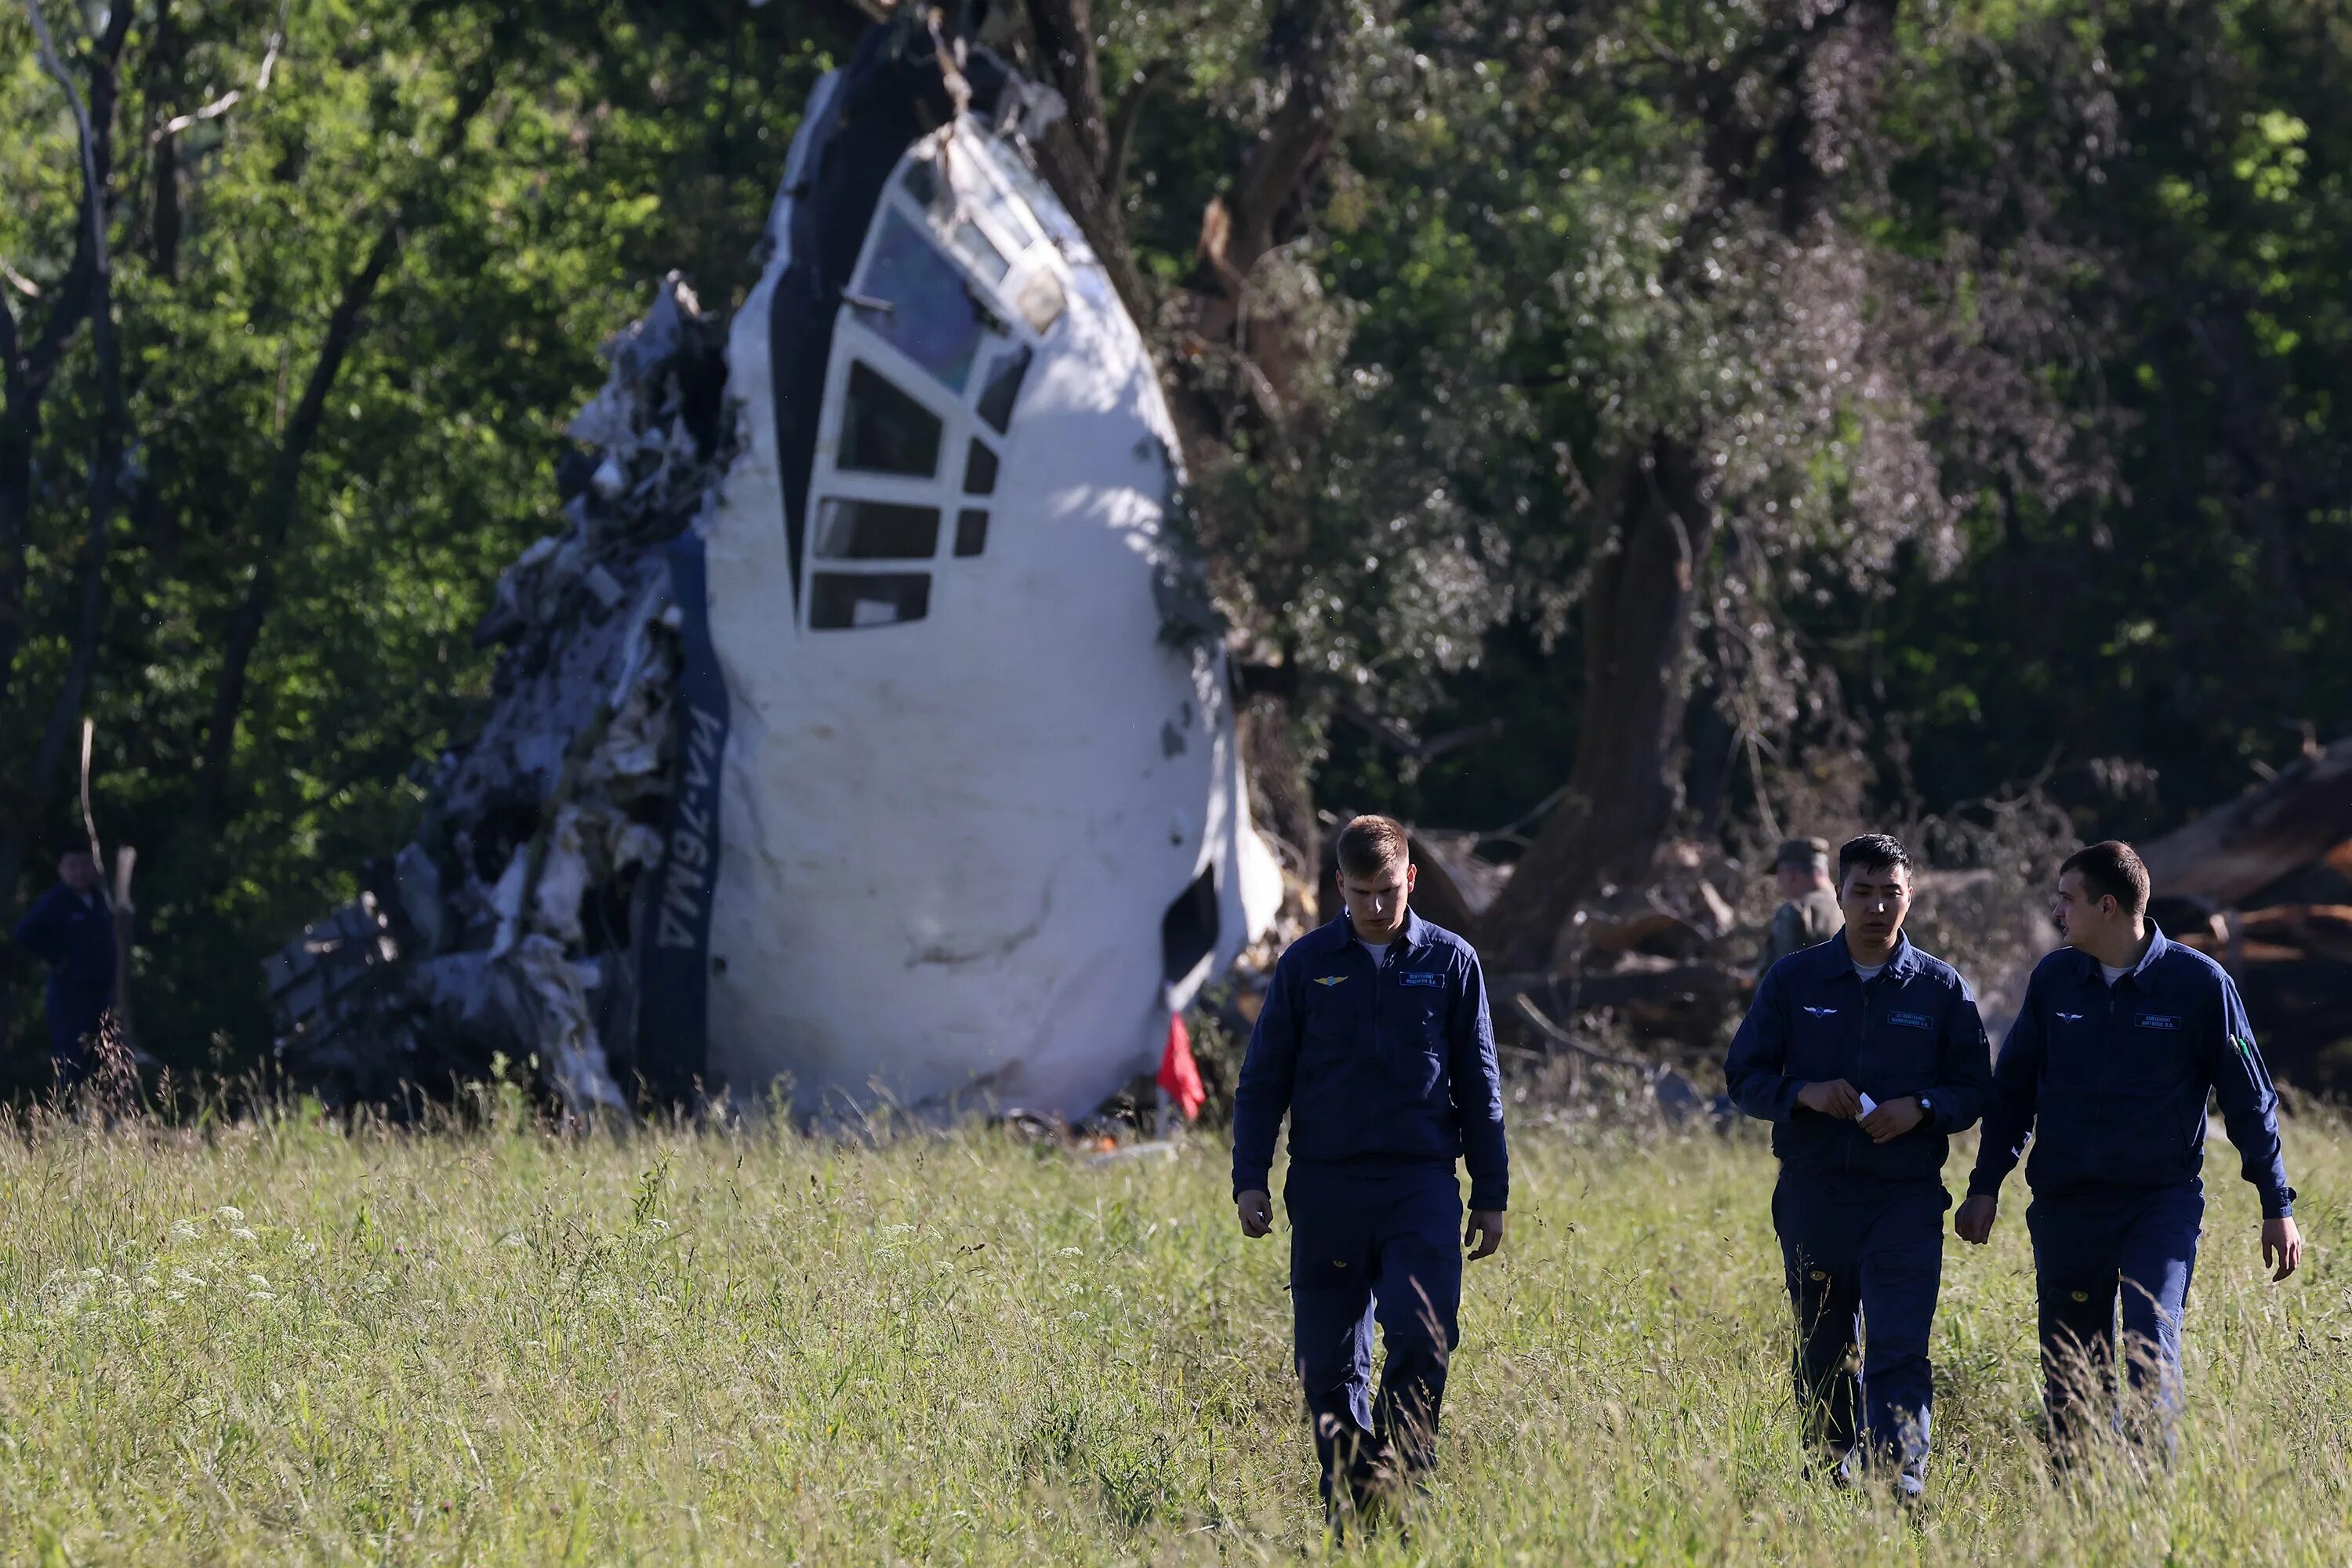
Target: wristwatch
point(1928, 1109)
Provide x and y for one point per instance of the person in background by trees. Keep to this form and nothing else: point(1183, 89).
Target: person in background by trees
point(1375, 1039)
point(1809, 911)
point(2121, 1035)
point(71, 930)
point(1865, 1054)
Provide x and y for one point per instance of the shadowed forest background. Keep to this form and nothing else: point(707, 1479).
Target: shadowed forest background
point(1624, 420)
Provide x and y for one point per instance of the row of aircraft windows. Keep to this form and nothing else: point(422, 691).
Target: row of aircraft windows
point(917, 300)
point(886, 530)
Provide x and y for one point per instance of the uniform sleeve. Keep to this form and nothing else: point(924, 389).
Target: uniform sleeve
point(1263, 1096)
point(1759, 1050)
point(1963, 1066)
point(41, 932)
point(2008, 1109)
point(2248, 1104)
point(1478, 1091)
point(1784, 936)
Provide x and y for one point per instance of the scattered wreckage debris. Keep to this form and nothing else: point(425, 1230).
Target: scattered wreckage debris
point(2264, 885)
point(506, 927)
point(779, 790)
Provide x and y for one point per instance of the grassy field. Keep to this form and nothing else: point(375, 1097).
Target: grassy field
point(275, 1341)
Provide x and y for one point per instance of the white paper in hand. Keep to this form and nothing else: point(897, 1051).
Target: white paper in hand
point(1868, 1105)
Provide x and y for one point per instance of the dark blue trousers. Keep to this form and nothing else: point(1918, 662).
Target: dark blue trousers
point(2088, 1249)
point(1374, 1243)
point(75, 1014)
point(1864, 1261)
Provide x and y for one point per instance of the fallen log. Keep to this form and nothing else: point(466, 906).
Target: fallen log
point(2277, 827)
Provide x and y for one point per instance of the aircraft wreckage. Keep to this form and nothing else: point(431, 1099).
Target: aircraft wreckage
point(864, 734)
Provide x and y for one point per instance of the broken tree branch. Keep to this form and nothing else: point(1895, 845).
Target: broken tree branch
point(1561, 1040)
point(1619, 988)
point(1420, 748)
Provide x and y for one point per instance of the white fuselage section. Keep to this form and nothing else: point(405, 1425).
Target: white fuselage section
point(967, 770)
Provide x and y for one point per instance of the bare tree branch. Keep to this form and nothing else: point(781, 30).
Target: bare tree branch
point(1124, 120)
point(234, 95)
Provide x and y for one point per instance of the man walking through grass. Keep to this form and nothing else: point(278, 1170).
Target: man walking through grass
point(1865, 1054)
point(1375, 1040)
point(2123, 1033)
point(71, 930)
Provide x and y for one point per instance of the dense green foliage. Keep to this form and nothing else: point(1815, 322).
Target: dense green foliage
point(281, 1342)
point(2005, 336)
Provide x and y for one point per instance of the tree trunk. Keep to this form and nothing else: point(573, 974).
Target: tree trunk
point(281, 504)
point(2280, 825)
point(37, 790)
point(1621, 790)
point(1084, 157)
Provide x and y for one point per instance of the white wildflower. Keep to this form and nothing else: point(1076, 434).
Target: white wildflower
point(230, 1212)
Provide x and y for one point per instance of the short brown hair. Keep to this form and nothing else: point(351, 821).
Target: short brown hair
point(1371, 845)
point(2112, 869)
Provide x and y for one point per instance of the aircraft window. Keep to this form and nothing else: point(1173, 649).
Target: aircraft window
point(850, 600)
point(981, 251)
point(980, 471)
point(885, 431)
point(875, 530)
point(1027, 184)
point(1003, 388)
point(922, 181)
point(925, 309)
point(1189, 930)
point(1007, 212)
point(1042, 302)
point(971, 532)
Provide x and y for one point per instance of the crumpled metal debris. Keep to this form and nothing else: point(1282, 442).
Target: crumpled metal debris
point(505, 926)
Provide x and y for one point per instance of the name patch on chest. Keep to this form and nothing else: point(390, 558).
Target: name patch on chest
point(1911, 1020)
point(2159, 1021)
point(1430, 979)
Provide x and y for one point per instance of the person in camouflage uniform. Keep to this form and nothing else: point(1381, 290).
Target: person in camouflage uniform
point(1809, 912)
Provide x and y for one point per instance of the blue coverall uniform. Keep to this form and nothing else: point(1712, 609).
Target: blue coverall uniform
point(2110, 1082)
point(1388, 1074)
point(75, 937)
point(1861, 1224)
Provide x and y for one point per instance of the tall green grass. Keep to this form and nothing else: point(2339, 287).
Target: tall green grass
point(277, 1341)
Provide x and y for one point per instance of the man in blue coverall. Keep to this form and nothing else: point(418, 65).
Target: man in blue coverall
point(2122, 1034)
point(71, 930)
point(1375, 1039)
point(1865, 1054)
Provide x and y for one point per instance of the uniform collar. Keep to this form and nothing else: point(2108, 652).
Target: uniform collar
point(1902, 964)
point(2158, 942)
point(1337, 934)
